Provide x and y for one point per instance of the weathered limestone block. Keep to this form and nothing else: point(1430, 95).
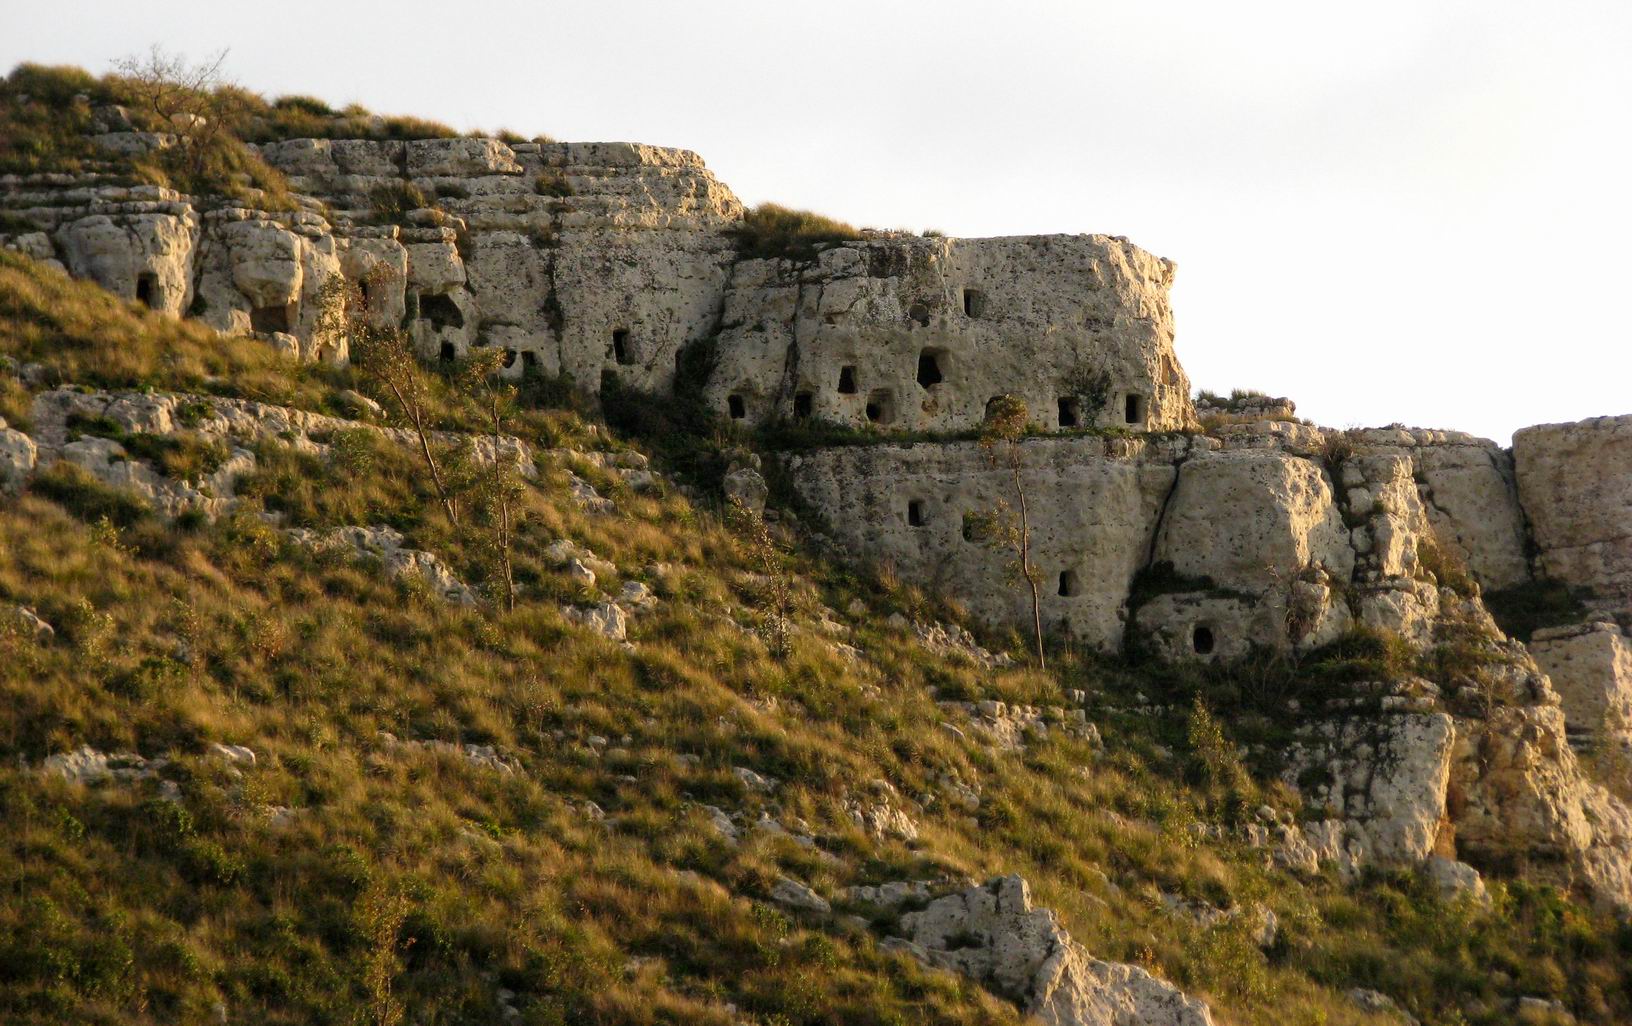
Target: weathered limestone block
point(1251, 521)
point(629, 301)
point(18, 455)
point(144, 256)
point(1472, 502)
point(1590, 666)
point(380, 266)
point(434, 266)
point(1094, 509)
point(910, 333)
point(265, 262)
point(993, 935)
point(1383, 777)
point(260, 274)
point(1521, 793)
point(1575, 482)
point(435, 157)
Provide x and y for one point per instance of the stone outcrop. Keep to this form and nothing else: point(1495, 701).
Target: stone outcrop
point(1590, 666)
point(1383, 777)
point(1575, 481)
point(993, 935)
point(907, 333)
point(1096, 503)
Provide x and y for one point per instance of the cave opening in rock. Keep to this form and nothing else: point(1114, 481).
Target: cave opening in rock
point(147, 290)
point(1201, 639)
point(1070, 412)
point(529, 361)
point(447, 353)
point(272, 318)
point(915, 513)
point(847, 380)
point(737, 408)
point(441, 311)
point(620, 346)
point(1133, 408)
point(1068, 583)
point(974, 301)
point(929, 368)
point(881, 406)
point(509, 357)
point(803, 403)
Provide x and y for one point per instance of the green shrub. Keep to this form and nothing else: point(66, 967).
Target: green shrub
point(773, 231)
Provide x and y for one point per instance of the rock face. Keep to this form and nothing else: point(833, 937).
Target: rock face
point(1591, 668)
point(1391, 816)
point(1096, 504)
point(1575, 481)
point(907, 333)
point(993, 935)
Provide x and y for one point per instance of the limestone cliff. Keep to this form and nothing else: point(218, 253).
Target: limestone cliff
point(1263, 534)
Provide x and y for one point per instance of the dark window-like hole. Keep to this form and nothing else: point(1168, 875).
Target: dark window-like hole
point(1201, 639)
point(918, 313)
point(529, 360)
point(1133, 409)
point(973, 302)
point(1070, 412)
point(447, 353)
point(802, 404)
point(441, 311)
point(971, 525)
point(366, 289)
point(738, 408)
point(147, 289)
point(991, 405)
point(915, 513)
point(509, 357)
point(1068, 582)
point(271, 318)
point(847, 381)
point(881, 406)
point(620, 346)
point(929, 368)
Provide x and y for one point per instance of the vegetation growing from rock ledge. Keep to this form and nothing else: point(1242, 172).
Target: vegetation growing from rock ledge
point(772, 231)
point(1523, 609)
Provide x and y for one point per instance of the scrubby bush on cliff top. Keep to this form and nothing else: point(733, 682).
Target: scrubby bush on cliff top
point(48, 120)
point(771, 230)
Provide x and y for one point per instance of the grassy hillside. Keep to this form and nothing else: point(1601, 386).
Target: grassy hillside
point(354, 874)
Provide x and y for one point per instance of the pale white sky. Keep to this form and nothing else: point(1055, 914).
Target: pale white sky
point(1412, 210)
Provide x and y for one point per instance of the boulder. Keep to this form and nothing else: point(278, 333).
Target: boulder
point(993, 935)
point(1575, 483)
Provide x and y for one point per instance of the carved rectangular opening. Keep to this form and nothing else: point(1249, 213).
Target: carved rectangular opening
point(529, 360)
point(1201, 639)
point(620, 346)
point(974, 302)
point(803, 403)
point(441, 311)
point(1068, 583)
point(1133, 408)
point(881, 406)
point(147, 289)
point(737, 408)
point(929, 368)
point(915, 513)
point(447, 353)
point(1070, 412)
point(272, 318)
point(847, 380)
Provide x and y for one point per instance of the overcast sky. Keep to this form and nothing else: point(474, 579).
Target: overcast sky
point(1405, 210)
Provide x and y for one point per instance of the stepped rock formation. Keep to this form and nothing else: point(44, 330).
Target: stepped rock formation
point(1260, 534)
